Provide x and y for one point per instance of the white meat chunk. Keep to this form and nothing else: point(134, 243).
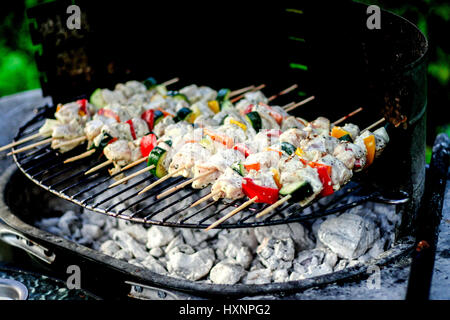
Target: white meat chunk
point(140, 127)
point(186, 157)
point(263, 178)
point(307, 174)
point(266, 159)
point(160, 127)
point(230, 185)
point(207, 93)
point(93, 128)
point(119, 152)
point(352, 129)
point(263, 140)
point(218, 163)
point(340, 174)
point(294, 136)
point(68, 112)
point(321, 124)
point(352, 155)
point(47, 128)
point(324, 144)
point(292, 122)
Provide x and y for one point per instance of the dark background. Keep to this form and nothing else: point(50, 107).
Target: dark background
point(221, 44)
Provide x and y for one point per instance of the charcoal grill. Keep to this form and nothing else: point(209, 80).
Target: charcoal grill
point(46, 168)
point(388, 69)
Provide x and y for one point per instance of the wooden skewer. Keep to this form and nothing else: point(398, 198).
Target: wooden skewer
point(288, 105)
point(232, 213)
point(131, 176)
point(351, 114)
point(133, 164)
point(80, 156)
point(182, 185)
point(285, 91)
point(240, 91)
point(101, 165)
point(208, 196)
point(273, 206)
point(69, 142)
point(298, 104)
point(171, 81)
point(161, 180)
point(260, 87)
point(16, 143)
point(31, 146)
point(373, 125)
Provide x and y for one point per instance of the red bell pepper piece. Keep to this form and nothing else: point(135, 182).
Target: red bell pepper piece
point(133, 133)
point(248, 108)
point(83, 105)
point(149, 117)
point(324, 172)
point(148, 142)
point(264, 194)
point(242, 148)
point(109, 114)
point(274, 133)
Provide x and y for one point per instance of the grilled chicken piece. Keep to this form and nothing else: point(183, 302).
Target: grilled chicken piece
point(119, 151)
point(323, 144)
point(230, 185)
point(187, 156)
point(293, 122)
point(64, 132)
point(352, 129)
point(351, 154)
point(263, 177)
point(307, 174)
point(263, 140)
point(67, 112)
point(219, 162)
point(294, 136)
point(266, 159)
point(322, 125)
point(160, 128)
point(340, 174)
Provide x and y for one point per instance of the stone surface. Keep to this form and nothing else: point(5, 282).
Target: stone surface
point(125, 241)
point(259, 276)
point(226, 272)
point(190, 266)
point(154, 265)
point(276, 253)
point(241, 254)
point(109, 247)
point(159, 236)
point(348, 235)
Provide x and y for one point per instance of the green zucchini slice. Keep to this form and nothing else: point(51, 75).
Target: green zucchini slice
point(156, 158)
point(255, 120)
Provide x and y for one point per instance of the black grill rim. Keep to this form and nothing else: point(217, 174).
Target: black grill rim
point(91, 258)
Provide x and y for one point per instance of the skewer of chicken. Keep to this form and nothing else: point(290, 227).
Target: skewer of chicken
point(287, 142)
point(182, 113)
point(306, 183)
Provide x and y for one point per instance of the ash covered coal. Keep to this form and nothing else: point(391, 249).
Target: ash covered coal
point(251, 256)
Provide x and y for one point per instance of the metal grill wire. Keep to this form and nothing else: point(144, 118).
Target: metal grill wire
point(45, 167)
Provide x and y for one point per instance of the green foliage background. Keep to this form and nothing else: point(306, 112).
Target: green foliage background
point(18, 70)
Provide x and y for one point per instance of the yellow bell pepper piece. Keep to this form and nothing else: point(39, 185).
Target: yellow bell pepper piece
point(214, 106)
point(299, 152)
point(276, 177)
point(239, 124)
point(338, 132)
point(371, 147)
